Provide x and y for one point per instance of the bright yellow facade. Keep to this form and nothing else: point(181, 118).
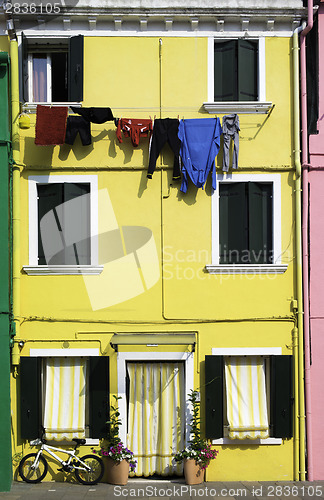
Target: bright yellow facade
point(169, 287)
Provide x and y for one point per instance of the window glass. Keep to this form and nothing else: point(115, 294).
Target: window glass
point(59, 77)
point(39, 62)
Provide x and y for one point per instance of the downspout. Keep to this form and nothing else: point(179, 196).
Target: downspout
point(299, 286)
point(15, 110)
point(310, 466)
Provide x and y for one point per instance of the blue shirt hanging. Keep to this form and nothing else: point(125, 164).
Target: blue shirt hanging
point(200, 143)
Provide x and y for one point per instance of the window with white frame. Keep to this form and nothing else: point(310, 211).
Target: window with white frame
point(249, 395)
point(236, 75)
point(63, 223)
point(67, 393)
point(246, 223)
point(52, 69)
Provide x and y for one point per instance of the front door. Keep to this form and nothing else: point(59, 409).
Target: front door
point(156, 416)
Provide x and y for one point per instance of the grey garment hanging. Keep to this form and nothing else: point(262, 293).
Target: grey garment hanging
point(231, 127)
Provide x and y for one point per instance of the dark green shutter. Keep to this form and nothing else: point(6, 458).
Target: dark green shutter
point(233, 223)
point(24, 68)
point(214, 396)
point(225, 71)
point(50, 196)
point(247, 71)
point(79, 218)
point(281, 396)
point(98, 396)
point(75, 69)
point(30, 397)
point(260, 222)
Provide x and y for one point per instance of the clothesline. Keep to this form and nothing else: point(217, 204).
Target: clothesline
point(195, 142)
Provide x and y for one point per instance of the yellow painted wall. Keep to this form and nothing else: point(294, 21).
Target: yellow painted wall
point(55, 309)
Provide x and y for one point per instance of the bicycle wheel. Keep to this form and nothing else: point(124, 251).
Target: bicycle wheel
point(28, 472)
point(95, 472)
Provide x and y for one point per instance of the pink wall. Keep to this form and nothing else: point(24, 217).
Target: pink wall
point(316, 272)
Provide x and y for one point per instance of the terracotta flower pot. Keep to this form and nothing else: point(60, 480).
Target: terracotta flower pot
point(192, 472)
point(115, 472)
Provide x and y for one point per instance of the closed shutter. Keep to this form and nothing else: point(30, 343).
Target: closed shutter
point(233, 223)
point(214, 396)
point(260, 222)
point(50, 196)
point(225, 71)
point(76, 215)
point(98, 396)
point(247, 71)
point(75, 69)
point(24, 68)
point(281, 396)
point(30, 397)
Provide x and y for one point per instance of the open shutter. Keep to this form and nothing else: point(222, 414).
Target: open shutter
point(233, 223)
point(225, 75)
point(260, 223)
point(24, 68)
point(281, 396)
point(30, 397)
point(214, 396)
point(75, 69)
point(98, 395)
point(247, 71)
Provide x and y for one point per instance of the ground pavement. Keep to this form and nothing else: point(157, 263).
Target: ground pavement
point(166, 489)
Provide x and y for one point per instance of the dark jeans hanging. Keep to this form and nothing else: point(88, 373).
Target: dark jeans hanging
point(165, 130)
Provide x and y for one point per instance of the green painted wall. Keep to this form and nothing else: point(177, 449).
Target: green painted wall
point(5, 455)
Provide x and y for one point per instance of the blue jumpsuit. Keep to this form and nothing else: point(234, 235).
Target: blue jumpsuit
point(200, 143)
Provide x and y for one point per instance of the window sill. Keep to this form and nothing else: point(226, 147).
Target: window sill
point(238, 107)
point(249, 442)
point(62, 270)
point(32, 106)
point(247, 269)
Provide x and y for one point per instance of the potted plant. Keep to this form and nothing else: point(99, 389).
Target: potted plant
point(198, 454)
point(118, 458)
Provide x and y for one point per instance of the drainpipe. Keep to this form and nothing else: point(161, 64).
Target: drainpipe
point(310, 466)
point(15, 110)
point(299, 286)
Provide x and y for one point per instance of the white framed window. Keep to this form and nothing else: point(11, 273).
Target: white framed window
point(64, 397)
point(63, 225)
point(236, 76)
point(52, 69)
point(246, 225)
point(278, 419)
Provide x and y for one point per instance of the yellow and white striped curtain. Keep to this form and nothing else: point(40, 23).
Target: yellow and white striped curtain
point(64, 410)
point(156, 416)
point(247, 413)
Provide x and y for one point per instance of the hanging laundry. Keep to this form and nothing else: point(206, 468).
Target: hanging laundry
point(94, 115)
point(133, 129)
point(231, 127)
point(50, 125)
point(75, 125)
point(165, 130)
point(200, 143)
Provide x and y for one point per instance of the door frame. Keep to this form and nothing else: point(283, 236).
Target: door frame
point(146, 357)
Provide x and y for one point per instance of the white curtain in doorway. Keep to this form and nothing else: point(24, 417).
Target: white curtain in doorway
point(65, 388)
point(156, 416)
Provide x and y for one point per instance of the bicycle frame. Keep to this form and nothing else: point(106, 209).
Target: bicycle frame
point(50, 450)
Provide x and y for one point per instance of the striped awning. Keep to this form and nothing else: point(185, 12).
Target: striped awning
point(246, 399)
point(64, 410)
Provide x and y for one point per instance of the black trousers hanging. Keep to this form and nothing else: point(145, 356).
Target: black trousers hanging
point(165, 130)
